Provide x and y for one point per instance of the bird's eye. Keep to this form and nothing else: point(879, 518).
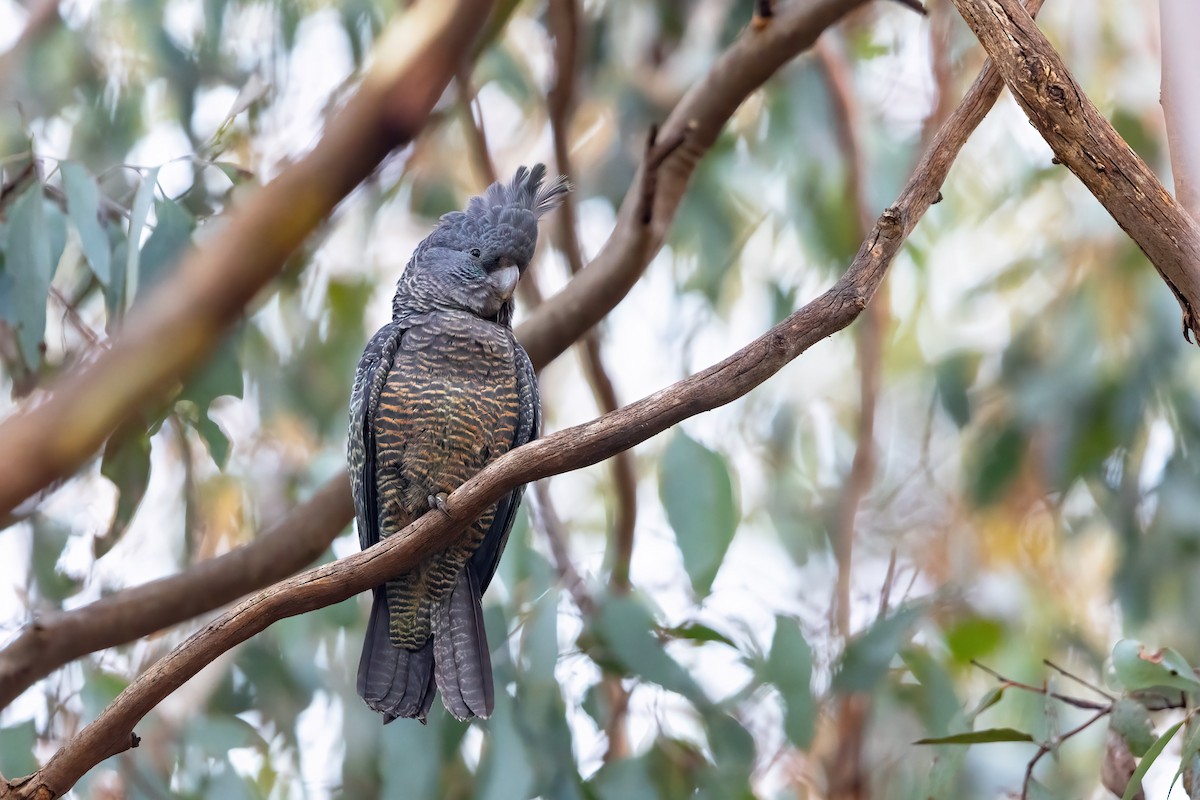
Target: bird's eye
point(475, 252)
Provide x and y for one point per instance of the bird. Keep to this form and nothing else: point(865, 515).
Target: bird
point(440, 392)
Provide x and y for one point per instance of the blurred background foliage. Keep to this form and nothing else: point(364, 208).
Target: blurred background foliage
point(1034, 495)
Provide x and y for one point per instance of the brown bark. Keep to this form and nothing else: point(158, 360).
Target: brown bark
point(174, 329)
point(1087, 144)
point(698, 118)
point(20, 668)
point(570, 449)
point(63, 636)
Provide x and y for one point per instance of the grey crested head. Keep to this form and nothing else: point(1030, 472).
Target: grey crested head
point(473, 258)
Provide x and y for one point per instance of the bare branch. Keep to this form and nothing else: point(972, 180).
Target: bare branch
point(551, 525)
point(1087, 144)
point(743, 67)
point(290, 544)
point(569, 449)
point(847, 776)
point(180, 324)
point(1180, 66)
point(477, 142)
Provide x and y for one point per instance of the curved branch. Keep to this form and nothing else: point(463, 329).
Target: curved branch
point(174, 329)
point(287, 546)
point(1086, 142)
point(604, 284)
point(697, 120)
point(573, 448)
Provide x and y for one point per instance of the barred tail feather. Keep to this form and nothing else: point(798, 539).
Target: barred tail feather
point(462, 663)
point(394, 681)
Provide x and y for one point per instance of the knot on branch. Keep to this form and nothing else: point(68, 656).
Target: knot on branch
point(891, 222)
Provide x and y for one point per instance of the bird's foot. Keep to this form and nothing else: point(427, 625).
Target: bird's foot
point(438, 501)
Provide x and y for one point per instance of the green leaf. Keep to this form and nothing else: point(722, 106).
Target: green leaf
point(789, 668)
point(867, 657)
point(625, 779)
point(49, 540)
point(987, 701)
point(16, 750)
point(1135, 783)
point(1131, 719)
point(955, 375)
point(28, 262)
point(137, 220)
point(221, 376)
point(997, 463)
point(624, 625)
point(83, 208)
point(126, 463)
point(987, 736)
point(697, 492)
point(236, 173)
point(973, 638)
point(172, 233)
point(1137, 668)
point(697, 632)
point(506, 769)
point(733, 758)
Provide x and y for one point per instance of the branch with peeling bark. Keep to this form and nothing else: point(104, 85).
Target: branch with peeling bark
point(550, 331)
point(573, 448)
point(1087, 144)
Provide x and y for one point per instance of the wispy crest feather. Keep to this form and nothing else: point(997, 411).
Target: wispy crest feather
point(526, 191)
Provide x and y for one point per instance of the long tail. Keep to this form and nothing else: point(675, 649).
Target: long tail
point(462, 664)
point(394, 681)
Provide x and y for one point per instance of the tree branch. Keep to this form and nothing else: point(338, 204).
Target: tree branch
point(1180, 66)
point(177, 327)
point(610, 279)
point(569, 449)
point(1084, 140)
point(287, 546)
point(700, 115)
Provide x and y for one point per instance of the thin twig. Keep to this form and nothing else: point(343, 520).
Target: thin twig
point(1077, 702)
point(552, 528)
point(81, 327)
point(1078, 680)
point(1046, 747)
point(477, 143)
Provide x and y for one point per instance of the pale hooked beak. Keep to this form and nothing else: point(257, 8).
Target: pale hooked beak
point(505, 280)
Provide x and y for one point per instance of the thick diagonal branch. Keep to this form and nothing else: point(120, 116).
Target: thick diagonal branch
point(609, 279)
point(60, 637)
point(1086, 142)
point(174, 329)
point(566, 450)
point(699, 117)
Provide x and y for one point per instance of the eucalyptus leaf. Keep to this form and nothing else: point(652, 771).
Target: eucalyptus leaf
point(625, 627)
point(868, 656)
point(697, 492)
point(987, 736)
point(1137, 667)
point(28, 262)
point(83, 208)
point(789, 668)
point(142, 202)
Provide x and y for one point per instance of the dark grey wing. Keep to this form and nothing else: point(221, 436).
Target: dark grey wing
point(529, 426)
point(369, 380)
